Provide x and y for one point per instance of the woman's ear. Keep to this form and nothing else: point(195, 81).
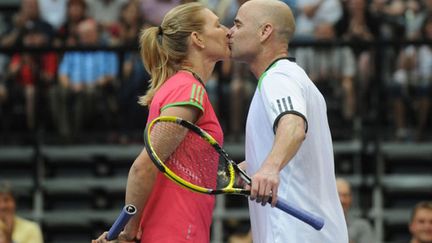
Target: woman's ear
point(197, 40)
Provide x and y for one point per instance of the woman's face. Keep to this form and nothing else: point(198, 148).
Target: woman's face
point(215, 37)
point(76, 12)
point(428, 30)
point(130, 13)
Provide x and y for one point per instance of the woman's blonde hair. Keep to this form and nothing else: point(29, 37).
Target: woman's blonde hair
point(163, 48)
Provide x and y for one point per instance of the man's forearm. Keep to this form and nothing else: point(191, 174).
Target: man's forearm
point(290, 134)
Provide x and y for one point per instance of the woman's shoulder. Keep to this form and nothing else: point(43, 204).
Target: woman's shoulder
point(180, 80)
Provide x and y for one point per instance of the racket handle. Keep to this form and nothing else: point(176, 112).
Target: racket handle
point(315, 221)
point(127, 212)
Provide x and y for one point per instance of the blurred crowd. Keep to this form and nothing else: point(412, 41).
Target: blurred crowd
point(68, 92)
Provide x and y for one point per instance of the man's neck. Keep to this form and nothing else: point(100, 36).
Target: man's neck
point(259, 66)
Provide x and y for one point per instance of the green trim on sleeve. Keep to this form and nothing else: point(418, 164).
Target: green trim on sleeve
point(194, 104)
point(193, 91)
point(201, 99)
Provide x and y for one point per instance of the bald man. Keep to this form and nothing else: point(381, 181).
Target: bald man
point(359, 230)
point(289, 149)
point(420, 225)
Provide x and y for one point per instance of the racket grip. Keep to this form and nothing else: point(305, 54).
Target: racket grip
point(315, 221)
point(127, 212)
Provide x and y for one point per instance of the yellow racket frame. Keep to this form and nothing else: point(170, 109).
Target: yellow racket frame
point(174, 177)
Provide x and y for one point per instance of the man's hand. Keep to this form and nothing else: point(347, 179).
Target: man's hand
point(265, 184)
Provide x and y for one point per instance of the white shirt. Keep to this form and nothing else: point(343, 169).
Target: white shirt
point(329, 11)
point(105, 12)
point(309, 179)
point(53, 11)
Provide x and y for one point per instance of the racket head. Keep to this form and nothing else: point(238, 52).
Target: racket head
point(190, 156)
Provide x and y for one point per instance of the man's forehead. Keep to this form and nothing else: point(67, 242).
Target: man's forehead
point(5, 195)
point(243, 17)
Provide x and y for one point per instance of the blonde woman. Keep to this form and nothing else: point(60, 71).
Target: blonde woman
point(180, 55)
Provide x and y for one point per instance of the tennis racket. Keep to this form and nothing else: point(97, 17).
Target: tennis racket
point(193, 159)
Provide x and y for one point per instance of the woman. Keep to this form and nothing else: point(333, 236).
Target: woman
point(180, 56)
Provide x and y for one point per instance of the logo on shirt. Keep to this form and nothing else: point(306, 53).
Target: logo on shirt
point(197, 94)
point(282, 105)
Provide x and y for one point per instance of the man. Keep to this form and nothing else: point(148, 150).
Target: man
point(359, 230)
point(421, 223)
point(286, 105)
point(87, 82)
point(23, 231)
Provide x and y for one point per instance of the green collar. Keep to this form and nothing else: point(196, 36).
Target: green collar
point(270, 67)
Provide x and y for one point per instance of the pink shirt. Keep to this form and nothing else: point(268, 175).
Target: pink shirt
point(175, 214)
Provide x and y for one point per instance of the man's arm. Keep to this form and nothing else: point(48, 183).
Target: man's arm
point(290, 133)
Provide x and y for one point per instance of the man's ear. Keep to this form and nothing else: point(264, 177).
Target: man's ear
point(197, 39)
point(265, 31)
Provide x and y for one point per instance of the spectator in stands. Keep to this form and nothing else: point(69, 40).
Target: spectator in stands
point(27, 15)
point(134, 81)
point(312, 12)
point(154, 10)
point(414, 17)
point(357, 25)
point(3, 86)
point(5, 235)
point(107, 14)
point(53, 12)
point(33, 71)
point(332, 69)
point(420, 225)
point(359, 230)
point(130, 23)
point(87, 83)
point(23, 230)
point(412, 86)
point(241, 90)
point(224, 9)
point(390, 16)
point(3, 92)
point(3, 60)
point(67, 35)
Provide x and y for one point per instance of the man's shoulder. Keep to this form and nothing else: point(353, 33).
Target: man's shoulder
point(357, 222)
point(288, 67)
point(25, 223)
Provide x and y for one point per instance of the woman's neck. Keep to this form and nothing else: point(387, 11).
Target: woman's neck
point(203, 70)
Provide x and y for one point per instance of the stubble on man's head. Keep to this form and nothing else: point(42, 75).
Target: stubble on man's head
point(274, 12)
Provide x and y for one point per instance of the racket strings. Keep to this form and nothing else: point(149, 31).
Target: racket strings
point(189, 155)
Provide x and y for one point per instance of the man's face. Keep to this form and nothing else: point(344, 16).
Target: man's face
point(345, 195)
point(88, 33)
point(421, 226)
point(244, 35)
point(7, 206)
